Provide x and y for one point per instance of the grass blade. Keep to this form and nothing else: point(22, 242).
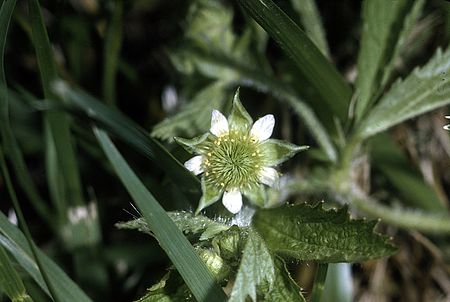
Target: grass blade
point(10, 281)
point(13, 240)
point(56, 123)
point(10, 144)
point(180, 251)
point(326, 80)
point(113, 41)
point(130, 133)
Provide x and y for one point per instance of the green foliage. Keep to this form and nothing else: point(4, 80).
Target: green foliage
point(425, 89)
point(310, 233)
point(13, 240)
point(193, 271)
point(256, 268)
point(10, 281)
point(310, 62)
point(386, 26)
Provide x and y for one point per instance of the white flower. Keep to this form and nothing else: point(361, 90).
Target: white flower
point(236, 158)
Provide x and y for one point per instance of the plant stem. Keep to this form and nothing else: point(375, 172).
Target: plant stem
point(319, 282)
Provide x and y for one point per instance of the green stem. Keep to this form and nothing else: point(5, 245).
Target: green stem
point(319, 282)
point(411, 219)
point(24, 226)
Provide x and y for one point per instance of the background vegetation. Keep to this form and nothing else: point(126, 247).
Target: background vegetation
point(365, 84)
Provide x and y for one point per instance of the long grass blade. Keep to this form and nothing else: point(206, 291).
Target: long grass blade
point(10, 281)
point(180, 251)
point(12, 150)
point(326, 80)
point(121, 126)
point(56, 123)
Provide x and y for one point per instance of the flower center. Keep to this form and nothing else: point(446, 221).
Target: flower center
point(232, 161)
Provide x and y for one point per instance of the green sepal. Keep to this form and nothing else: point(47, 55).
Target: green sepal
point(192, 145)
point(276, 151)
point(229, 244)
point(256, 194)
point(239, 119)
point(210, 195)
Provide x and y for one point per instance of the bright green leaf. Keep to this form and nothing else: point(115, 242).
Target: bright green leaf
point(256, 268)
point(425, 89)
point(309, 233)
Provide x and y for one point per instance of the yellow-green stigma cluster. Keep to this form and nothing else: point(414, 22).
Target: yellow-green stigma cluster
point(233, 160)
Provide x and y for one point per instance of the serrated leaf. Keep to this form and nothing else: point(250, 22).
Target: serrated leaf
point(384, 31)
point(185, 221)
point(284, 287)
point(425, 89)
point(256, 268)
point(193, 118)
point(307, 232)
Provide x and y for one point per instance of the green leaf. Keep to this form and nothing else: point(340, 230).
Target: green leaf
point(194, 272)
point(10, 282)
point(129, 132)
point(425, 89)
point(309, 233)
point(253, 271)
point(211, 194)
point(322, 75)
point(284, 287)
point(339, 283)
point(187, 222)
point(239, 119)
point(310, 18)
point(195, 117)
point(276, 151)
point(386, 25)
point(13, 240)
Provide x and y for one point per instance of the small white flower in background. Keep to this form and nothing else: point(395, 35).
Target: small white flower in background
point(237, 158)
point(447, 127)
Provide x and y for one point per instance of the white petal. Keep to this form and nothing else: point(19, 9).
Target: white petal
point(268, 176)
point(447, 117)
point(219, 123)
point(262, 129)
point(232, 200)
point(195, 165)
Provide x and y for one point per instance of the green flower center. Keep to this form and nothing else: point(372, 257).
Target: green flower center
point(233, 160)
